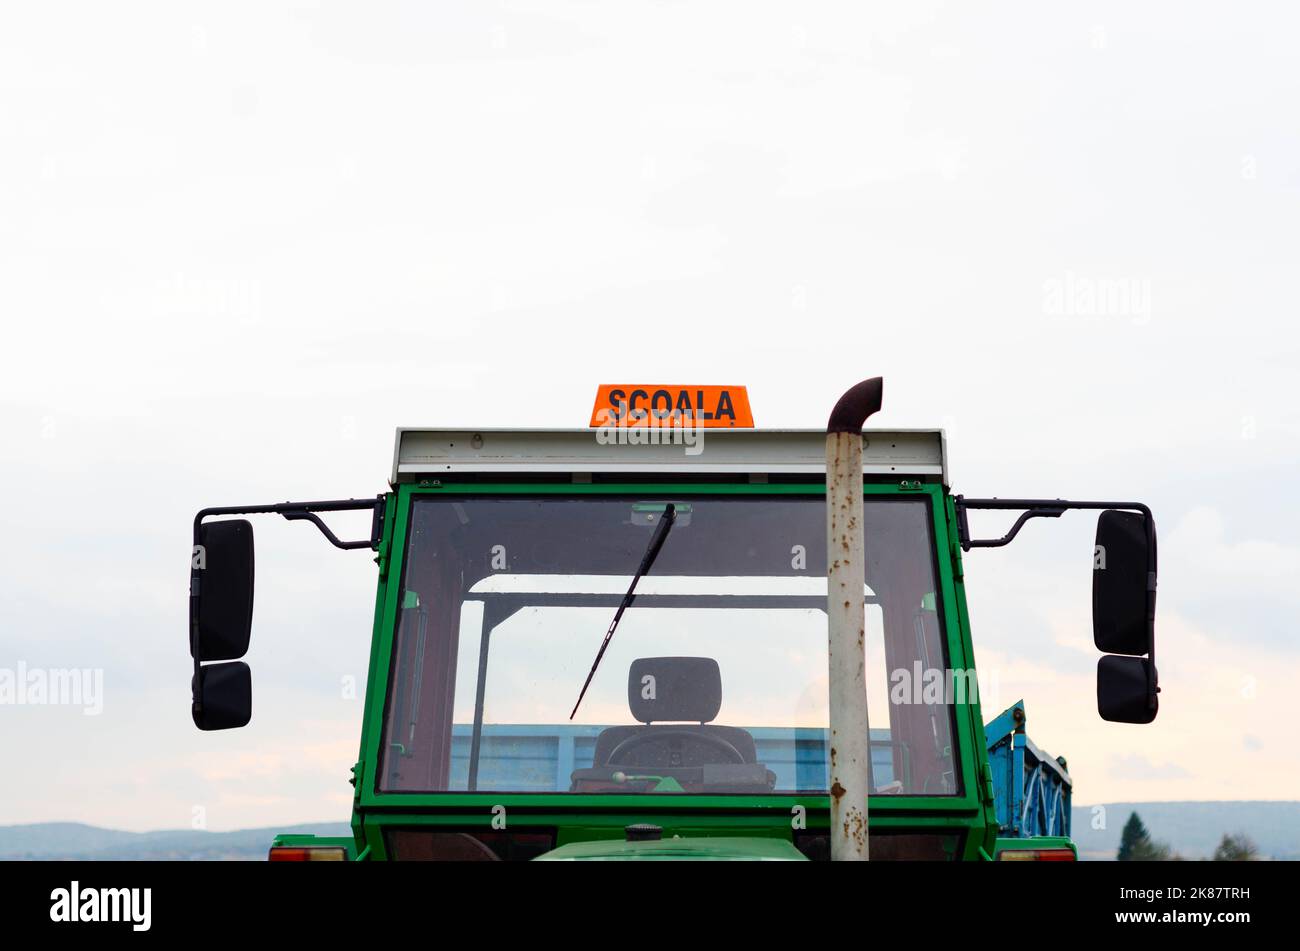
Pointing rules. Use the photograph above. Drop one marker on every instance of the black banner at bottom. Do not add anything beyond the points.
(911, 902)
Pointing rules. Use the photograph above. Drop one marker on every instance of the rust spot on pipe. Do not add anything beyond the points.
(837, 791)
(855, 827)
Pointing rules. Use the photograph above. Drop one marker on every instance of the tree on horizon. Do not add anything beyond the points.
(1236, 847)
(1136, 844)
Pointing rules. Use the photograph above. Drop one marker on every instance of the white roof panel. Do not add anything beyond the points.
(431, 453)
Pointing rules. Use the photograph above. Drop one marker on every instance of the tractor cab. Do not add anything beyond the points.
(513, 554)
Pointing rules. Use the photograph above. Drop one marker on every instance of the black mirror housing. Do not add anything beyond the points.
(1123, 616)
(1126, 689)
(1123, 584)
(223, 696)
(222, 581)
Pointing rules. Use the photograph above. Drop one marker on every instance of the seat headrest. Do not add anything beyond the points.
(665, 689)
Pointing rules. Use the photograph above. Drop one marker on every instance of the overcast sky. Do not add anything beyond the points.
(240, 243)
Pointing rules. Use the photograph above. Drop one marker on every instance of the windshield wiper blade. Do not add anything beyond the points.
(651, 553)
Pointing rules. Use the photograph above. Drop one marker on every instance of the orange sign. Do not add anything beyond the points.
(711, 407)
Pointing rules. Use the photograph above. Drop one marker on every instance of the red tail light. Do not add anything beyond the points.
(316, 853)
(1036, 855)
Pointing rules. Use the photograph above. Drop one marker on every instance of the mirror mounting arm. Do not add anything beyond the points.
(1030, 508)
(371, 542)
(298, 511)
(963, 527)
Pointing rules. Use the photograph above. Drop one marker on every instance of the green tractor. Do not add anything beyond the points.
(672, 635)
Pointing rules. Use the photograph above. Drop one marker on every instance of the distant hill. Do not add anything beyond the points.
(72, 840)
(1193, 829)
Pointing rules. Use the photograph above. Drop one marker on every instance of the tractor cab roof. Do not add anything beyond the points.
(427, 454)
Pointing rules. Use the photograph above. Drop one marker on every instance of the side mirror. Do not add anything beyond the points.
(1123, 616)
(1126, 689)
(221, 588)
(1122, 578)
(221, 621)
(223, 696)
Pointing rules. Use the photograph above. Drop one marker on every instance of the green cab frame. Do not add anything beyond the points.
(968, 817)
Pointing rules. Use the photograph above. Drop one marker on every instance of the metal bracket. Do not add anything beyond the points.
(306, 511)
(963, 526)
(1028, 508)
(371, 542)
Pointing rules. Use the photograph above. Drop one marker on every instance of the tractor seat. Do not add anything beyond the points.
(674, 699)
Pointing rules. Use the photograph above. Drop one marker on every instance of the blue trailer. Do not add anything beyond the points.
(1031, 788)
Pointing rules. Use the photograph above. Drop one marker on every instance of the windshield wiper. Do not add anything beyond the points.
(648, 559)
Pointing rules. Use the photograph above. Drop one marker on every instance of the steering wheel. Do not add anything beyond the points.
(640, 739)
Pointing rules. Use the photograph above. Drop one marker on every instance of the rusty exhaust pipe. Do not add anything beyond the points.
(850, 734)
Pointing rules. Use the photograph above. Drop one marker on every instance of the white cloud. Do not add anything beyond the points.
(1206, 559)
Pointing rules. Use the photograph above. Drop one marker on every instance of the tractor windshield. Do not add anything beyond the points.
(715, 680)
